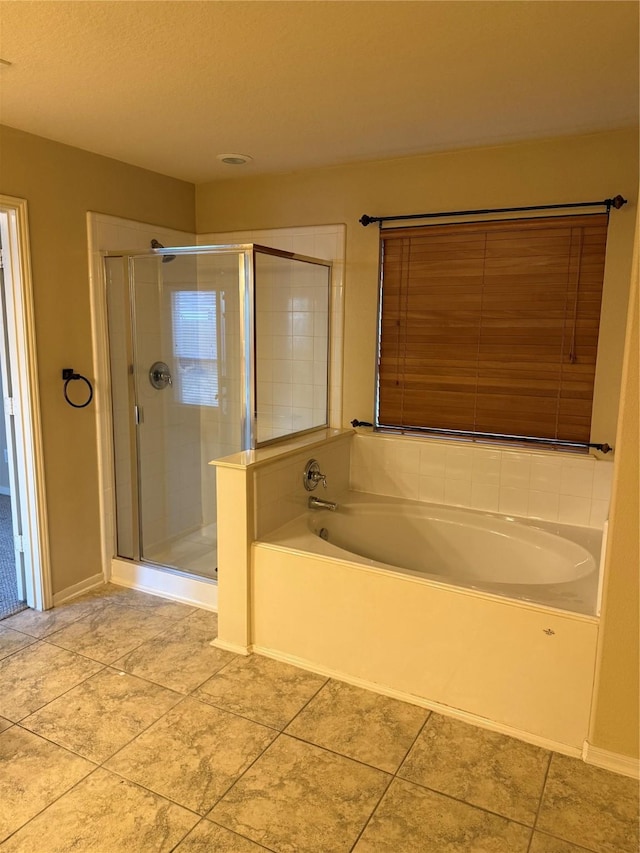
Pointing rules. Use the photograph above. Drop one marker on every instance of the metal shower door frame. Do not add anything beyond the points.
(136, 415)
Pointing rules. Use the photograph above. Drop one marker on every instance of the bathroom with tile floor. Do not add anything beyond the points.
(123, 729)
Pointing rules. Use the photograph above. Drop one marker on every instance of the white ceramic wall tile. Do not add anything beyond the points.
(599, 513)
(574, 510)
(576, 481)
(515, 470)
(432, 489)
(432, 460)
(543, 505)
(514, 501)
(545, 475)
(407, 456)
(485, 496)
(486, 466)
(458, 463)
(457, 492)
(602, 479)
(361, 480)
(408, 484)
(442, 465)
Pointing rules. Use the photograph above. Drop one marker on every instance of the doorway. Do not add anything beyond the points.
(13, 597)
(24, 555)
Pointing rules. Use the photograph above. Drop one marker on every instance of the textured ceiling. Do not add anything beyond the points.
(168, 85)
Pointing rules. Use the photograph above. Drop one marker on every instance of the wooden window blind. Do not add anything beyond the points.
(492, 327)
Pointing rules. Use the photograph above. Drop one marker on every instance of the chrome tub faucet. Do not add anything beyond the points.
(320, 503)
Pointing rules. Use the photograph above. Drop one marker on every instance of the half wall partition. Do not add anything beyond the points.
(213, 350)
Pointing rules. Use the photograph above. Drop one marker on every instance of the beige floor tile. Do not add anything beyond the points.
(42, 623)
(5, 724)
(110, 632)
(298, 797)
(34, 773)
(104, 814)
(589, 806)
(413, 820)
(12, 641)
(208, 837)
(102, 714)
(482, 768)
(34, 676)
(360, 724)
(193, 754)
(261, 689)
(542, 843)
(120, 595)
(206, 619)
(181, 658)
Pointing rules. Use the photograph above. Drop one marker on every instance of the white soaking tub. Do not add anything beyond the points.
(486, 618)
(549, 564)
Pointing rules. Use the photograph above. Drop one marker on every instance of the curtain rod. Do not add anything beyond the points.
(615, 202)
(495, 436)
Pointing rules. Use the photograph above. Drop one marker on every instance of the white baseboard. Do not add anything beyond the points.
(200, 592)
(77, 589)
(230, 647)
(445, 710)
(613, 761)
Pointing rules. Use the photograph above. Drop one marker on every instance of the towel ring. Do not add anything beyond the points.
(69, 376)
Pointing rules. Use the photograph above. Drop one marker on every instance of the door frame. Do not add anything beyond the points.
(29, 451)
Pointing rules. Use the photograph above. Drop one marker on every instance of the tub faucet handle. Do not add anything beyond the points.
(312, 476)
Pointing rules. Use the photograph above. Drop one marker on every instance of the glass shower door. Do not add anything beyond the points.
(187, 372)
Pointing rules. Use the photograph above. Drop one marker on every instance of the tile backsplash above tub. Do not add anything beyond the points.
(546, 485)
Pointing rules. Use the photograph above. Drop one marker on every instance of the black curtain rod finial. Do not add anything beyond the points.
(616, 202)
(365, 220)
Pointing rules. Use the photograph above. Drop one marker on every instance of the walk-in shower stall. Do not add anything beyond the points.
(213, 350)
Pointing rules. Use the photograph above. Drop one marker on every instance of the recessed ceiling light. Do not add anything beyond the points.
(234, 159)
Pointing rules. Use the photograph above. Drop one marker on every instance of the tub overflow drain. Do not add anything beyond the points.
(324, 533)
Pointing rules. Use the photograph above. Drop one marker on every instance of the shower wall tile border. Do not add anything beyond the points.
(531, 484)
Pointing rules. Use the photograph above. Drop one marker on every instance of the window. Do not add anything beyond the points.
(491, 328)
(195, 346)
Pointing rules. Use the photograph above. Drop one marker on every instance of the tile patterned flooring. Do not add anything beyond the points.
(123, 729)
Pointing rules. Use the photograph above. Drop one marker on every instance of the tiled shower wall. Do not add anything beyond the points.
(326, 242)
(551, 486)
(291, 321)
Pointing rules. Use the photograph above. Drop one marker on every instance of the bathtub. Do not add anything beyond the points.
(528, 560)
(486, 618)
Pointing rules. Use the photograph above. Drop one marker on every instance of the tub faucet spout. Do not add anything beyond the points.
(319, 503)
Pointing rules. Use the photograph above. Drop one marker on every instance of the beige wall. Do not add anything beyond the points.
(61, 184)
(615, 725)
(552, 171)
